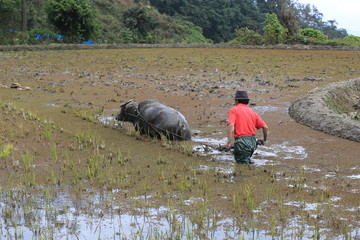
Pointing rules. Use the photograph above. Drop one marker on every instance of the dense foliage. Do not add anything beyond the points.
(274, 32)
(167, 21)
(75, 19)
(219, 19)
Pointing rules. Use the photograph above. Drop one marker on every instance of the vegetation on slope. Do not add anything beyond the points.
(174, 22)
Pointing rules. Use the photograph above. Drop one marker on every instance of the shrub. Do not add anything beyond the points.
(352, 40)
(313, 36)
(7, 37)
(274, 32)
(43, 35)
(246, 36)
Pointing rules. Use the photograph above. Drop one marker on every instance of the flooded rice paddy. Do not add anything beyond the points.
(69, 170)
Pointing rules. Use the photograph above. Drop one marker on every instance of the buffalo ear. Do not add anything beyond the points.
(126, 103)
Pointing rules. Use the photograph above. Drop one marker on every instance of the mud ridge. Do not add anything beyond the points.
(25, 47)
(333, 109)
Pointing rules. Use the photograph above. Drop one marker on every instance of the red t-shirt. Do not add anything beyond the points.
(245, 119)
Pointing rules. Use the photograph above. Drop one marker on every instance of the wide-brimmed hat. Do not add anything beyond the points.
(241, 95)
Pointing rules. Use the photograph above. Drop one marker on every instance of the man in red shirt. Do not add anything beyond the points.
(242, 125)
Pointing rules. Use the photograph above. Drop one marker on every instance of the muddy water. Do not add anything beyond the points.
(304, 184)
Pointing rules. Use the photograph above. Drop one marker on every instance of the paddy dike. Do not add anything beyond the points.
(333, 109)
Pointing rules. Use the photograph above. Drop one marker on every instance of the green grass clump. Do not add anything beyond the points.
(357, 117)
(337, 103)
(5, 150)
(89, 115)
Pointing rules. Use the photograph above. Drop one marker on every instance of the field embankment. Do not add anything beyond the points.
(25, 47)
(332, 109)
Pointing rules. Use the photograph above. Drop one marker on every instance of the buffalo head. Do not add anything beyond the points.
(128, 112)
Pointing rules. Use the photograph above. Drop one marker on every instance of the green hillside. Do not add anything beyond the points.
(167, 22)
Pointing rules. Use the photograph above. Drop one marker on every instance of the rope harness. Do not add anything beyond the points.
(152, 126)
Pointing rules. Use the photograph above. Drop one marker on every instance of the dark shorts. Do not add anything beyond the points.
(244, 148)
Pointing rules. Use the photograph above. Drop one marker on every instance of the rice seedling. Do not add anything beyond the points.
(85, 138)
(12, 135)
(130, 130)
(54, 152)
(81, 137)
(93, 167)
(204, 188)
(163, 140)
(53, 178)
(30, 179)
(145, 187)
(123, 176)
(89, 115)
(75, 172)
(120, 158)
(31, 116)
(48, 132)
(273, 227)
(282, 212)
(237, 204)
(5, 150)
(27, 159)
(187, 148)
(325, 193)
(161, 160)
(248, 194)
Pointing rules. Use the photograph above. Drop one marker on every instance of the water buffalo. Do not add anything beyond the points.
(153, 118)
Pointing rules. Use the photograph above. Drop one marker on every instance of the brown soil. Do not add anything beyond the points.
(199, 82)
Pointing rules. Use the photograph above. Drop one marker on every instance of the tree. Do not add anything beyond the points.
(140, 22)
(75, 19)
(9, 14)
(310, 17)
(24, 15)
(218, 18)
(274, 32)
(330, 29)
(288, 16)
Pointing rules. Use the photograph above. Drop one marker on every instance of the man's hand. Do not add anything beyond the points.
(228, 145)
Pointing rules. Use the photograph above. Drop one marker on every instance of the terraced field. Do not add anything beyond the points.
(70, 171)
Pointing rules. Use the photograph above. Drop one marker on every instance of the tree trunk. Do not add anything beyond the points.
(288, 17)
(24, 13)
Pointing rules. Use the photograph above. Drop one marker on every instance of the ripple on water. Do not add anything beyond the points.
(354, 176)
(264, 155)
(52, 105)
(108, 120)
(263, 109)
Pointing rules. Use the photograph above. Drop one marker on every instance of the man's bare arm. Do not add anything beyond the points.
(265, 132)
(230, 134)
